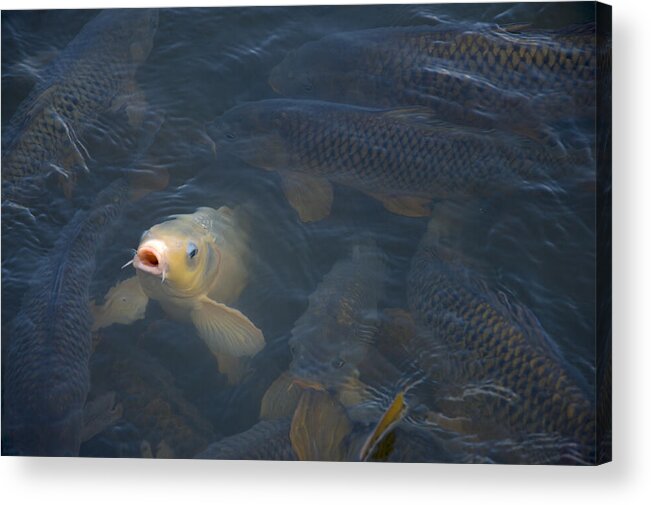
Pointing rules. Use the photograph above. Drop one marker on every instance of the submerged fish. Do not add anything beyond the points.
(166, 423)
(93, 75)
(45, 372)
(195, 266)
(402, 157)
(267, 440)
(318, 429)
(509, 377)
(336, 331)
(491, 76)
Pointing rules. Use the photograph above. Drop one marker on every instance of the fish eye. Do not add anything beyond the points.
(338, 363)
(192, 250)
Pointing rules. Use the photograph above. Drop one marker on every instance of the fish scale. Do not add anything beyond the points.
(87, 78)
(375, 152)
(495, 346)
(45, 375)
(478, 76)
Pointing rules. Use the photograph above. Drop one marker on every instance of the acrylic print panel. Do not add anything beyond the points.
(352, 233)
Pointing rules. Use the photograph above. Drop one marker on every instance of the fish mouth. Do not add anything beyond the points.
(149, 258)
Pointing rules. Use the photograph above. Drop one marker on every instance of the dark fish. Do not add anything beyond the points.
(92, 75)
(267, 440)
(402, 157)
(489, 76)
(168, 425)
(509, 378)
(45, 369)
(335, 333)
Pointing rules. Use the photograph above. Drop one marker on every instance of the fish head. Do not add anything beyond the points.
(178, 255)
(255, 132)
(317, 70)
(321, 362)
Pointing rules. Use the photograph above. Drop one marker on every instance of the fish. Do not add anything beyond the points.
(317, 430)
(267, 440)
(93, 75)
(45, 370)
(334, 334)
(510, 384)
(195, 266)
(165, 421)
(485, 75)
(402, 157)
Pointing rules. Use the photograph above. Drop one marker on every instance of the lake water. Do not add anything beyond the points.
(535, 242)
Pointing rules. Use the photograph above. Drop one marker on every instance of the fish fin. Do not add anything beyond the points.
(99, 414)
(353, 392)
(225, 329)
(67, 185)
(124, 303)
(164, 451)
(234, 368)
(405, 205)
(145, 449)
(145, 180)
(392, 416)
(133, 102)
(319, 428)
(281, 399)
(310, 196)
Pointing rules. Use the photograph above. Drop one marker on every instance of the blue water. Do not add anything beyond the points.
(537, 244)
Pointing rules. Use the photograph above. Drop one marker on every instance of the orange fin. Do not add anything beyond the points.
(405, 205)
(310, 196)
(319, 428)
(281, 399)
(389, 419)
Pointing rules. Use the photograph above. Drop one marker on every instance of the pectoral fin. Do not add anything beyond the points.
(226, 330)
(281, 398)
(133, 102)
(319, 428)
(310, 196)
(234, 368)
(124, 303)
(405, 205)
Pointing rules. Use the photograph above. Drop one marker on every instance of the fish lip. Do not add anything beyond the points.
(142, 262)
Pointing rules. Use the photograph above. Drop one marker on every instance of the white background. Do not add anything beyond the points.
(627, 480)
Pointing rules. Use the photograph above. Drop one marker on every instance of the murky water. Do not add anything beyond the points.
(535, 242)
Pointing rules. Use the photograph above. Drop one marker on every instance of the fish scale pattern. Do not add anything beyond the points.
(540, 396)
(379, 152)
(45, 375)
(87, 79)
